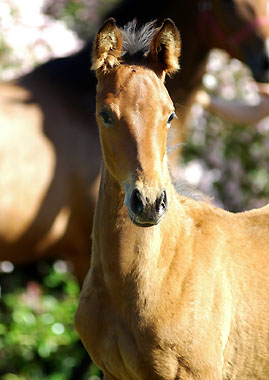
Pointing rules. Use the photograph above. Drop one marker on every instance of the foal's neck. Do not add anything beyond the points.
(124, 253)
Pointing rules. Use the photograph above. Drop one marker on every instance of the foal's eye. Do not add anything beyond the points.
(106, 118)
(171, 117)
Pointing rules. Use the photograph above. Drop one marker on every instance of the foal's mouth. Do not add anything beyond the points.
(149, 218)
(146, 223)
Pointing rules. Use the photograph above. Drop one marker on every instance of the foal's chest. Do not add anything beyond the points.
(132, 348)
(126, 354)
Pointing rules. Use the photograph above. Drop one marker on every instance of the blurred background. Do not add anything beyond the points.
(230, 163)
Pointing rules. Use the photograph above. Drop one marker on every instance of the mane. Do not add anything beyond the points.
(136, 41)
(187, 190)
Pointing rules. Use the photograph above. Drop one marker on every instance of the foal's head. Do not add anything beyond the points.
(134, 111)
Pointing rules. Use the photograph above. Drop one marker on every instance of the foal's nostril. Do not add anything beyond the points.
(137, 205)
(161, 202)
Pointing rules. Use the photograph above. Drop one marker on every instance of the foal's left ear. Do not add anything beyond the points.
(165, 48)
(107, 47)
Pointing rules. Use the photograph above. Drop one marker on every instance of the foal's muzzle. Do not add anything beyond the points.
(145, 212)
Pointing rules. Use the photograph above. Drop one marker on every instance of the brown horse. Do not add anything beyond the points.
(49, 147)
(177, 288)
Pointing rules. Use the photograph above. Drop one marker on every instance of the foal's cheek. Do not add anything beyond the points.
(111, 154)
(108, 149)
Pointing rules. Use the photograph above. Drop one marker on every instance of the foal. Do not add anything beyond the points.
(177, 289)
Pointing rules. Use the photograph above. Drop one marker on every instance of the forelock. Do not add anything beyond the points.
(137, 39)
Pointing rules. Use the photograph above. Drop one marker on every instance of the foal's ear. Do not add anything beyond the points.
(165, 48)
(107, 47)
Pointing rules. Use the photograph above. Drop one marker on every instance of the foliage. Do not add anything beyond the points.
(36, 30)
(29, 37)
(82, 16)
(37, 336)
(229, 162)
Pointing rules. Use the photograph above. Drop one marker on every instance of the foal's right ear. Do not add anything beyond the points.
(107, 47)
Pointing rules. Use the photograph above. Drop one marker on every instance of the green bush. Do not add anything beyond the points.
(37, 335)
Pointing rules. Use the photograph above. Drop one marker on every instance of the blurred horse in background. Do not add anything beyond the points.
(49, 146)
